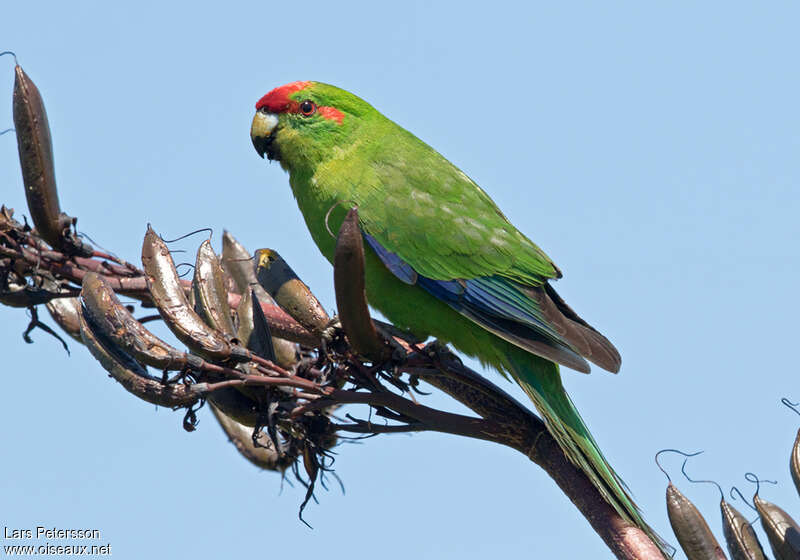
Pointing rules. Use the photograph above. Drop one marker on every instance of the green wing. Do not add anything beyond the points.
(437, 219)
(432, 225)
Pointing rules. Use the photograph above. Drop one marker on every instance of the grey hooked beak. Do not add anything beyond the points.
(264, 124)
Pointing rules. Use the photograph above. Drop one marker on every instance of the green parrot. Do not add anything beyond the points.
(442, 259)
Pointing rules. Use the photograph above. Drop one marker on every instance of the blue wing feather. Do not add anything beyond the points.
(394, 263)
(494, 302)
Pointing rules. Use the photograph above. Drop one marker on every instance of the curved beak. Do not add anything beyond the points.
(261, 131)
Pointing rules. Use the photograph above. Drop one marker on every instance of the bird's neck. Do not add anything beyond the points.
(323, 208)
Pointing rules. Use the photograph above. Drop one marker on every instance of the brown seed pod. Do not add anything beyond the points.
(66, 313)
(253, 330)
(210, 293)
(794, 462)
(244, 319)
(782, 531)
(120, 328)
(38, 172)
(739, 535)
(237, 261)
(277, 277)
(351, 299)
(211, 303)
(130, 374)
(236, 405)
(287, 354)
(25, 295)
(116, 323)
(694, 535)
(170, 299)
(239, 264)
(263, 456)
(281, 323)
(794, 458)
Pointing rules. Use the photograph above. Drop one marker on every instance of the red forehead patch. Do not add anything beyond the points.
(278, 100)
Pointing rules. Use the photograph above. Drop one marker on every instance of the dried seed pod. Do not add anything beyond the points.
(116, 323)
(130, 374)
(263, 456)
(253, 330)
(211, 303)
(170, 299)
(794, 462)
(244, 318)
(351, 299)
(239, 264)
(281, 323)
(739, 535)
(25, 295)
(38, 172)
(36, 159)
(236, 405)
(66, 313)
(278, 278)
(694, 535)
(782, 531)
(237, 261)
(210, 293)
(287, 354)
(794, 458)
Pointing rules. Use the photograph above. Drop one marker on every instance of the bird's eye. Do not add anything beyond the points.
(307, 108)
(264, 110)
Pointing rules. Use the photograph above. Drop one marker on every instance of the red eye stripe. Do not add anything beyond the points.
(326, 112)
(331, 113)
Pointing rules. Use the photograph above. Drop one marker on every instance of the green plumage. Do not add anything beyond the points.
(421, 208)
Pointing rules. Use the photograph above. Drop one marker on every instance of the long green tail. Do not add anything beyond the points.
(541, 381)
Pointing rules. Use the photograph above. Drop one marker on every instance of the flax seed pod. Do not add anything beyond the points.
(173, 306)
(782, 531)
(351, 299)
(130, 374)
(280, 281)
(237, 261)
(694, 535)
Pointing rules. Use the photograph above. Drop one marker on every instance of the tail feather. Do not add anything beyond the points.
(584, 338)
(541, 381)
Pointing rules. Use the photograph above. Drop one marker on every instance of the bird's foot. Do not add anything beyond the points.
(332, 331)
(399, 354)
(389, 330)
(439, 352)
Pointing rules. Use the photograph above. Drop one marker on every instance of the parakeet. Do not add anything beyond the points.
(441, 258)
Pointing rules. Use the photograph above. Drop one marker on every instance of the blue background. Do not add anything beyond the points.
(652, 151)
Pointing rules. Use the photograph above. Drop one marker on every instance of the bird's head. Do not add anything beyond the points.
(302, 123)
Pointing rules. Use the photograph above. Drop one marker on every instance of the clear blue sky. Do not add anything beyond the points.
(651, 151)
